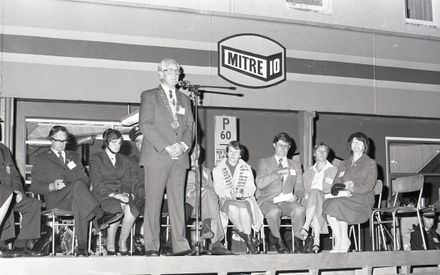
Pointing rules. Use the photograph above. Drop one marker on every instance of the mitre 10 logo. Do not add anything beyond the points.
(252, 61)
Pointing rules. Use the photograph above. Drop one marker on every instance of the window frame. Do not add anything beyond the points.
(435, 4)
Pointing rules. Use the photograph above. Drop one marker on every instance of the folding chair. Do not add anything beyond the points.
(398, 186)
(265, 225)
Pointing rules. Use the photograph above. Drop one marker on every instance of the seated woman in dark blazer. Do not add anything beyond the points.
(113, 187)
(358, 176)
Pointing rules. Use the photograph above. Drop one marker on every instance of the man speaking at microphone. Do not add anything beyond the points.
(166, 120)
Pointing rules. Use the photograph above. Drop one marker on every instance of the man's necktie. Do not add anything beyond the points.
(60, 156)
(280, 166)
(173, 100)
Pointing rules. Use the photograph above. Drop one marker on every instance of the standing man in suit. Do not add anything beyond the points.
(60, 176)
(280, 190)
(30, 208)
(166, 120)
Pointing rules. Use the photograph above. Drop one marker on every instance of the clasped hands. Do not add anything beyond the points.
(175, 150)
(283, 172)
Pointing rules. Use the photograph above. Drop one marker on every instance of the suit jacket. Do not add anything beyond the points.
(155, 119)
(47, 168)
(269, 183)
(431, 237)
(329, 177)
(106, 178)
(9, 174)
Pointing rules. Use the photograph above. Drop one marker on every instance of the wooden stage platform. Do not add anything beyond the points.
(270, 264)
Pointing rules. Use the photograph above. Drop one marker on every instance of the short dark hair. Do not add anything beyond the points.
(56, 129)
(237, 146)
(284, 137)
(110, 134)
(359, 136)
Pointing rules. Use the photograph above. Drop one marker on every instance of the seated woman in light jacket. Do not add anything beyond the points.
(318, 180)
(234, 184)
(113, 186)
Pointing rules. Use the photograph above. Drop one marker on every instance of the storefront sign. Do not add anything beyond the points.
(252, 61)
(225, 132)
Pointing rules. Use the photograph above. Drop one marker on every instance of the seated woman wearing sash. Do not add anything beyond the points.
(234, 184)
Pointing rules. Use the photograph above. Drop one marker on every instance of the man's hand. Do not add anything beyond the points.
(124, 197)
(175, 150)
(283, 172)
(18, 196)
(349, 185)
(57, 185)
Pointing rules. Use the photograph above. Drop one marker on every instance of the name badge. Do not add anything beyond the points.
(328, 180)
(292, 172)
(341, 174)
(71, 165)
(180, 110)
(8, 169)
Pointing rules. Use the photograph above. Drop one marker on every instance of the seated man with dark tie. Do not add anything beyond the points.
(60, 176)
(279, 191)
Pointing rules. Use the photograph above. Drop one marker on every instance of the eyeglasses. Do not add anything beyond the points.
(58, 140)
(172, 71)
(115, 141)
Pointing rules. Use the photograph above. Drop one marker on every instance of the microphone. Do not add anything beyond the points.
(184, 84)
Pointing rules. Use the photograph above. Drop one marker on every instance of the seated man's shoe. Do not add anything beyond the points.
(26, 252)
(281, 247)
(218, 249)
(81, 251)
(151, 253)
(9, 254)
(188, 252)
(206, 232)
(107, 219)
(299, 246)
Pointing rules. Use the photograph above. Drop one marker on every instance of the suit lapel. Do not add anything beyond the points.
(53, 158)
(166, 104)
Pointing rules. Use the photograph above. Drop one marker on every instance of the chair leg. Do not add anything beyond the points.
(421, 231)
(359, 237)
(54, 227)
(73, 238)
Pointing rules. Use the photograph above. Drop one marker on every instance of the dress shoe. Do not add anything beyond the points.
(188, 252)
(218, 249)
(206, 232)
(81, 251)
(9, 254)
(124, 253)
(26, 252)
(281, 247)
(111, 253)
(150, 253)
(107, 219)
(299, 246)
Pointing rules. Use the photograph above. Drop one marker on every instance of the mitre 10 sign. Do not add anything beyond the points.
(252, 60)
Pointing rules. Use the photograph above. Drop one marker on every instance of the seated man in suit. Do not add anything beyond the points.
(432, 238)
(60, 176)
(212, 227)
(280, 190)
(30, 208)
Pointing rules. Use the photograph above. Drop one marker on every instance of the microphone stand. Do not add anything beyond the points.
(195, 90)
